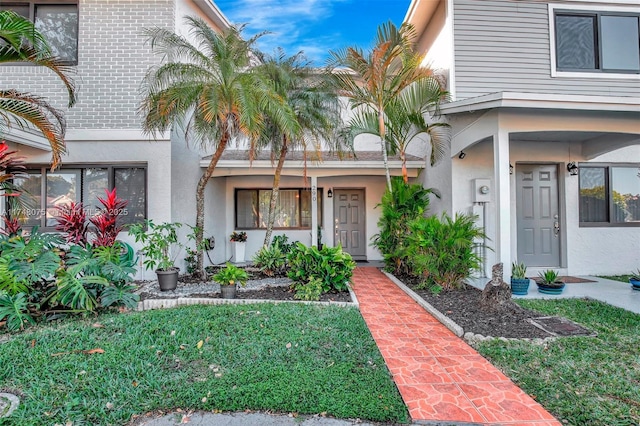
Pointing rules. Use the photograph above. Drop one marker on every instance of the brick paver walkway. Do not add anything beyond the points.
(439, 376)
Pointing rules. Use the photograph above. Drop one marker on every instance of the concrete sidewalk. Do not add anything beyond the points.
(246, 419)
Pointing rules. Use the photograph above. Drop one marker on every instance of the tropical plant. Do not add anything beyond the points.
(71, 221)
(549, 277)
(315, 115)
(209, 88)
(400, 207)
(231, 275)
(157, 240)
(14, 309)
(373, 79)
(106, 223)
(404, 121)
(311, 290)
(120, 294)
(270, 260)
(443, 251)
(518, 270)
(11, 226)
(20, 41)
(282, 242)
(331, 265)
(238, 237)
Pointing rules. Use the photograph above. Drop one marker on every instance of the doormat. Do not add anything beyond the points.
(560, 327)
(569, 279)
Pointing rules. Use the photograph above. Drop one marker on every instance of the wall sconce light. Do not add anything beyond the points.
(330, 193)
(510, 168)
(572, 168)
(462, 155)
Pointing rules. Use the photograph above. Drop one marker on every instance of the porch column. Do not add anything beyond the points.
(314, 211)
(503, 199)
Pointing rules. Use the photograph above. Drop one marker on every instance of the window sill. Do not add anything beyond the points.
(596, 75)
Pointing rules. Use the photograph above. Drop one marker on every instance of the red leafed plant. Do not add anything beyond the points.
(11, 226)
(72, 221)
(107, 229)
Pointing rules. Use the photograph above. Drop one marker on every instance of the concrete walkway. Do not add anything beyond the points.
(439, 376)
(615, 293)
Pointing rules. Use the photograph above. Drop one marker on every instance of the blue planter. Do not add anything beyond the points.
(555, 288)
(635, 284)
(519, 286)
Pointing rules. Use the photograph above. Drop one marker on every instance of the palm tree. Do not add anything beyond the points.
(373, 79)
(405, 121)
(316, 111)
(207, 87)
(20, 41)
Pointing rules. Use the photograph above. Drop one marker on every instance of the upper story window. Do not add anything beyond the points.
(597, 42)
(609, 195)
(58, 22)
(44, 190)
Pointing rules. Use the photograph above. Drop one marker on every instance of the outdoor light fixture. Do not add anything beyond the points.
(510, 168)
(572, 168)
(462, 155)
(330, 193)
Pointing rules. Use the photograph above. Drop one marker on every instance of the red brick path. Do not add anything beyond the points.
(439, 376)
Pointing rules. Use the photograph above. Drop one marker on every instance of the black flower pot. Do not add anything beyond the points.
(228, 291)
(168, 280)
(519, 286)
(555, 288)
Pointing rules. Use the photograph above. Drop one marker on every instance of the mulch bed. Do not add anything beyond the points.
(463, 307)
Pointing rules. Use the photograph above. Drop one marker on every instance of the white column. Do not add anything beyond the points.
(314, 210)
(503, 200)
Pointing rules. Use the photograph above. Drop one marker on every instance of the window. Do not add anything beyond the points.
(609, 195)
(44, 190)
(292, 211)
(57, 22)
(597, 42)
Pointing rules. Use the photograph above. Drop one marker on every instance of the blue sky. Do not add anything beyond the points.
(313, 26)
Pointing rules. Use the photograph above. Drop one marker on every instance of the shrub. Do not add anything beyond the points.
(106, 222)
(270, 260)
(15, 310)
(444, 250)
(310, 290)
(230, 275)
(405, 204)
(72, 222)
(331, 265)
(282, 242)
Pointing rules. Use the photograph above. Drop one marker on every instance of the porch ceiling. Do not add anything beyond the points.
(593, 143)
(324, 163)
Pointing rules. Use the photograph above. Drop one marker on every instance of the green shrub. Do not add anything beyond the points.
(230, 275)
(405, 204)
(15, 310)
(282, 242)
(444, 250)
(310, 290)
(270, 260)
(331, 265)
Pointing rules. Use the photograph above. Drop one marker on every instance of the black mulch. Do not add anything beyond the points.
(463, 307)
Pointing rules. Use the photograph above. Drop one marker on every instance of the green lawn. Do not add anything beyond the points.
(623, 278)
(284, 357)
(582, 381)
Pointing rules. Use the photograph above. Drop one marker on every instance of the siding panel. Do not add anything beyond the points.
(503, 45)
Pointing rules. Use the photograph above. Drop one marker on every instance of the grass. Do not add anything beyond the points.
(280, 357)
(582, 381)
(623, 278)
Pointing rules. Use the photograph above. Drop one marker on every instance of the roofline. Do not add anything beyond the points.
(347, 164)
(27, 137)
(214, 13)
(543, 101)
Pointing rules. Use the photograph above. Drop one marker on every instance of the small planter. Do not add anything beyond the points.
(519, 286)
(168, 280)
(238, 251)
(555, 288)
(635, 284)
(228, 291)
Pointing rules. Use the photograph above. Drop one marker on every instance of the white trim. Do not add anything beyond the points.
(113, 135)
(214, 13)
(452, 66)
(588, 8)
(27, 138)
(543, 101)
(351, 164)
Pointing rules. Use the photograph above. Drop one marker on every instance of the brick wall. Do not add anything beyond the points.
(112, 60)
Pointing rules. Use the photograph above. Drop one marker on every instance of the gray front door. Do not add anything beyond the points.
(538, 218)
(349, 221)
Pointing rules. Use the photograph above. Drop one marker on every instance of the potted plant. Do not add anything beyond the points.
(229, 277)
(238, 239)
(157, 240)
(634, 280)
(519, 280)
(549, 282)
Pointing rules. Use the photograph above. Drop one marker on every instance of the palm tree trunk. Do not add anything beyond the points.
(403, 158)
(274, 192)
(202, 184)
(383, 144)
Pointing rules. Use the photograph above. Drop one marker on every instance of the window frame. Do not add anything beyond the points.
(43, 169)
(597, 12)
(297, 228)
(32, 4)
(609, 198)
